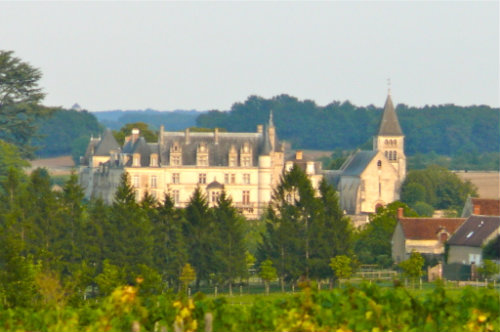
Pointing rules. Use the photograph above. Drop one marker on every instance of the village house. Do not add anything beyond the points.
(426, 236)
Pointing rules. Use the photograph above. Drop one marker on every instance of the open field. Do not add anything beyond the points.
(488, 183)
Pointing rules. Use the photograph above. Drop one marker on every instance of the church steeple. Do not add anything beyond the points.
(389, 124)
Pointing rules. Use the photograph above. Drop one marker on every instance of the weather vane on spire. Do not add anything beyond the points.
(389, 86)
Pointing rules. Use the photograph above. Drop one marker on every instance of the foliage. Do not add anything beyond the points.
(492, 249)
(148, 134)
(188, 275)
(373, 241)
(267, 272)
(412, 267)
(341, 266)
(303, 230)
(488, 269)
(437, 187)
(20, 98)
(366, 307)
(423, 209)
(10, 158)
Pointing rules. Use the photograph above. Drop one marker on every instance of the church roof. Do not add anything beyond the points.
(389, 124)
(106, 144)
(357, 163)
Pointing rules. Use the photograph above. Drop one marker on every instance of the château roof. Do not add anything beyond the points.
(389, 124)
(106, 144)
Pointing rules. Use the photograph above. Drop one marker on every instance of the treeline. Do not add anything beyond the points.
(58, 235)
(445, 129)
(65, 132)
(171, 120)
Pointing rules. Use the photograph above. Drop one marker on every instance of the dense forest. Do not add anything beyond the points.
(65, 132)
(444, 129)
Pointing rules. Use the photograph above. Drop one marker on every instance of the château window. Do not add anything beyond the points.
(176, 160)
(246, 161)
(232, 161)
(175, 196)
(153, 181)
(215, 196)
(379, 163)
(233, 178)
(246, 197)
(202, 178)
(175, 178)
(154, 160)
(136, 181)
(226, 178)
(246, 178)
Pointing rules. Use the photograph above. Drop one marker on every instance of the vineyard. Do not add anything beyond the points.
(365, 307)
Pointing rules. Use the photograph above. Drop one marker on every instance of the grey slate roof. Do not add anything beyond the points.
(332, 177)
(475, 230)
(389, 124)
(218, 154)
(106, 144)
(356, 164)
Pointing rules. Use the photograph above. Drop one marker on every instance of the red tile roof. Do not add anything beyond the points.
(428, 228)
(487, 206)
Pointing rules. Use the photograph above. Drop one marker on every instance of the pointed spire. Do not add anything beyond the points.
(271, 123)
(389, 124)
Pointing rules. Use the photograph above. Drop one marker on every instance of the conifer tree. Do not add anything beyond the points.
(132, 242)
(231, 247)
(170, 252)
(199, 233)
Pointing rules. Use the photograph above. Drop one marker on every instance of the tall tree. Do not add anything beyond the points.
(231, 247)
(199, 233)
(20, 98)
(170, 253)
(132, 243)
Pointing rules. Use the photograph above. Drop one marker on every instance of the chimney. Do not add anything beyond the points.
(135, 134)
(186, 134)
(160, 137)
(216, 136)
(298, 155)
(400, 213)
(477, 209)
(260, 129)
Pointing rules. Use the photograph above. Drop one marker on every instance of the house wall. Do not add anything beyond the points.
(462, 254)
(398, 245)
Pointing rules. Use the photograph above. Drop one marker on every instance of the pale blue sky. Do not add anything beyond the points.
(208, 55)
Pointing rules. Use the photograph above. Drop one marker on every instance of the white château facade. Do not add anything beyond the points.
(247, 166)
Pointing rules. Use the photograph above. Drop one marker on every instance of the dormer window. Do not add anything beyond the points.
(246, 155)
(233, 157)
(202, 155)
(153, 160)
(136, 161)
(175, 154)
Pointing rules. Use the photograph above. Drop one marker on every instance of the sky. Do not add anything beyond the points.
(209, 55)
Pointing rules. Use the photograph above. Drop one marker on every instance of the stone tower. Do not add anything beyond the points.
(390, 139)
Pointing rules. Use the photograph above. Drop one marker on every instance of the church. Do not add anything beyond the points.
(248, 166)
(370, 179)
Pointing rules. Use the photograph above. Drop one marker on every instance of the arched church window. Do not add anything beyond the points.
(379, 163)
